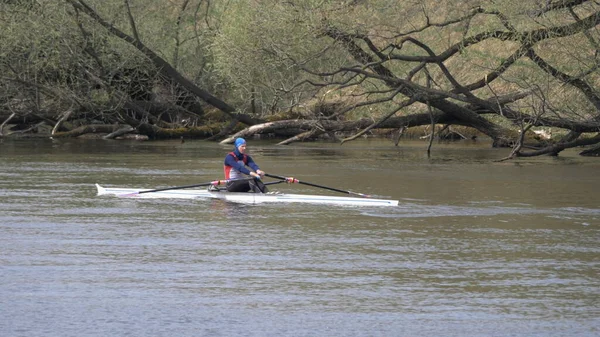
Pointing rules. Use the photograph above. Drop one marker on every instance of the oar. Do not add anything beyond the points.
(213, 183)
(294, 180)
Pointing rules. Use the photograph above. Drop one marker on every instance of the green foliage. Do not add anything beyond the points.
(268, 54)
(262, 46)
(56, 46)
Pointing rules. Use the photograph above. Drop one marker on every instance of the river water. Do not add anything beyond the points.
(475, 247)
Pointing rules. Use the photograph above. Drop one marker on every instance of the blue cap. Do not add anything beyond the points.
(239, 141)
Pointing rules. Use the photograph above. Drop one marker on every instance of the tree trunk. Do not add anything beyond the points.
(165, 68)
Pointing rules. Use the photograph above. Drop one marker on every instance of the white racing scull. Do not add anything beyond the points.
(248, 198)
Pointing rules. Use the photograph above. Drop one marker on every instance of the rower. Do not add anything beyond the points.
(238, 166)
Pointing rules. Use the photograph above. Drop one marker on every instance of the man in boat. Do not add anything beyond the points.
(238, 166)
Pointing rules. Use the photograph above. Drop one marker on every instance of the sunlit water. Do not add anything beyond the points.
(475, 247)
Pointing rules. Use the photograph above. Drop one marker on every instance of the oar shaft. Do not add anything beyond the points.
(294, 180)
(324, 187)
(174, 188)
(214, 183)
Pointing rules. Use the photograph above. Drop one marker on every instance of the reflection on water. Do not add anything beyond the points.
(475, 248)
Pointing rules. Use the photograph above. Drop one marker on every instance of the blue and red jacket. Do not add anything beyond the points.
(235, 165)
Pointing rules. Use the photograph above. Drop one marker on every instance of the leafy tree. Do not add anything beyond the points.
(484, 64)
(503, 67)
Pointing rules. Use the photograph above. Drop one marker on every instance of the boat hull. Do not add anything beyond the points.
(246, 198)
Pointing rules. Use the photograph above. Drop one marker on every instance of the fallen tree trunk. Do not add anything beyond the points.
(340, 126)
(124, 130)
(593, 152)
(556, 148)
(92, 128)
(164, 67)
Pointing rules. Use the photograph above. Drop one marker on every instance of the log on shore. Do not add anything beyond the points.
(92, 128)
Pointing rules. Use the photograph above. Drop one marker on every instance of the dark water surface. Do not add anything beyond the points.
(475, 248)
